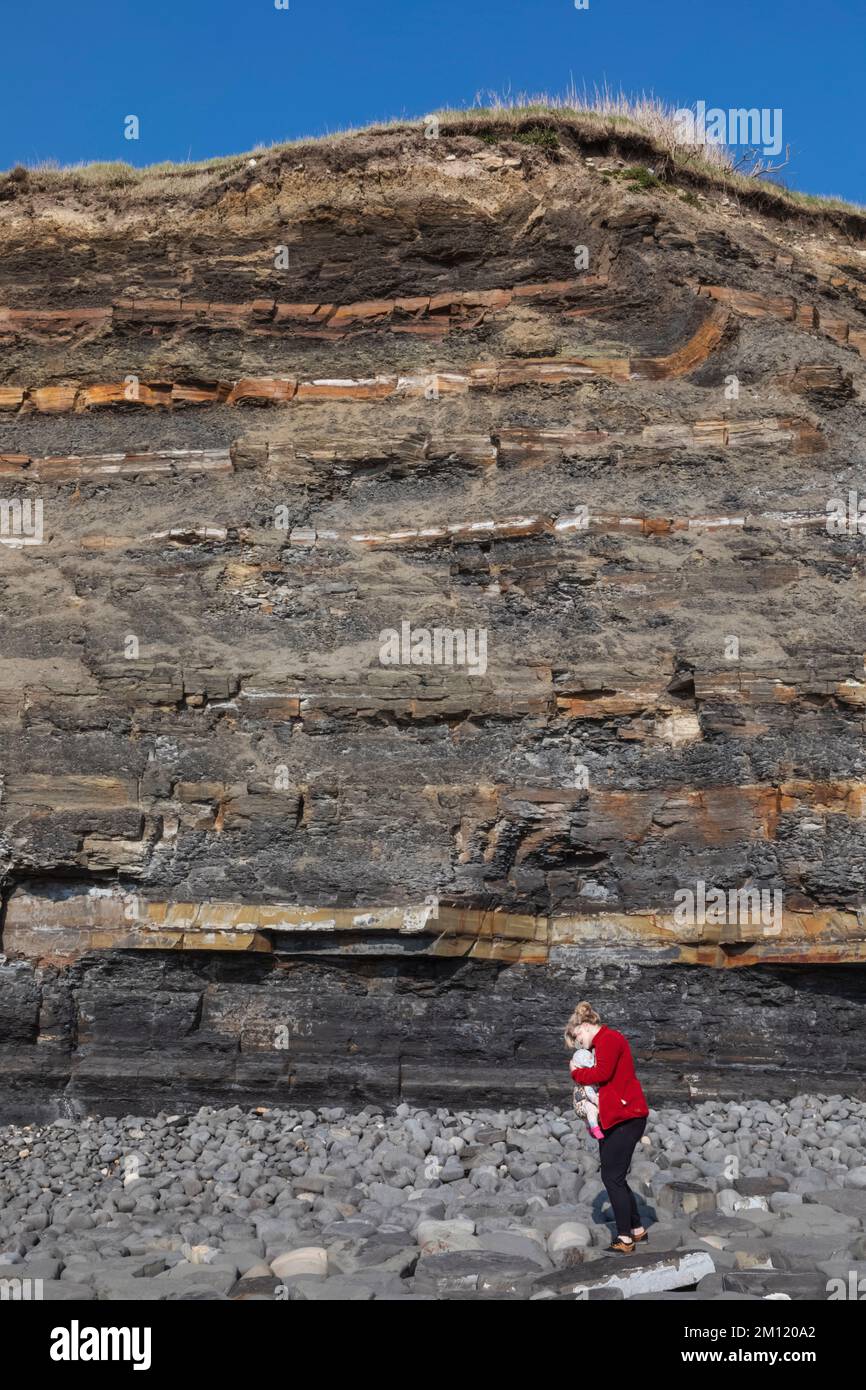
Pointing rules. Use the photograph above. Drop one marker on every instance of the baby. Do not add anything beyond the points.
(586, 1097)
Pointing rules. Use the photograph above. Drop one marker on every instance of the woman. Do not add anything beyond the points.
(622, 1115)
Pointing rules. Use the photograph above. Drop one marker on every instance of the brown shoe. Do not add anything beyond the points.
(622, 1246)
(637, 1239)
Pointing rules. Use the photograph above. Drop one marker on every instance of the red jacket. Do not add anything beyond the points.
(619, 1092)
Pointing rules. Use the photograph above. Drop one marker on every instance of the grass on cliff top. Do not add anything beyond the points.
(590, 118)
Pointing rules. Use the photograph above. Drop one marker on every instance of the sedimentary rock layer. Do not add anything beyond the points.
(391, 641)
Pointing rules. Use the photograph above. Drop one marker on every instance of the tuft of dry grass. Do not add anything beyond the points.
(645, 114)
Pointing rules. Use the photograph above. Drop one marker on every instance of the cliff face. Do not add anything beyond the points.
(252, 421)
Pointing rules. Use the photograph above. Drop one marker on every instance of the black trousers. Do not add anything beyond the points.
(615, 1151)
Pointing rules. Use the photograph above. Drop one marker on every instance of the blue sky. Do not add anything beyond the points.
(218, 77)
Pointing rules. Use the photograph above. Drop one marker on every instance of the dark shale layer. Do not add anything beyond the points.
(496, 387)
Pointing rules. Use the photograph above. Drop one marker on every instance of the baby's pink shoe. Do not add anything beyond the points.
(596, 1131)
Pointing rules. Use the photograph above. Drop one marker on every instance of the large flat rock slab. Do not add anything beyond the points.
(638, 1273)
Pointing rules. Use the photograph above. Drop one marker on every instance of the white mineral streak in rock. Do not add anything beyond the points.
(670, 1272)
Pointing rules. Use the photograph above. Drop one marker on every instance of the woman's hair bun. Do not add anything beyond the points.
(584, 1013)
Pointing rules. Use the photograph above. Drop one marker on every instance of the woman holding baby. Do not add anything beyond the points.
(615, 1109)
